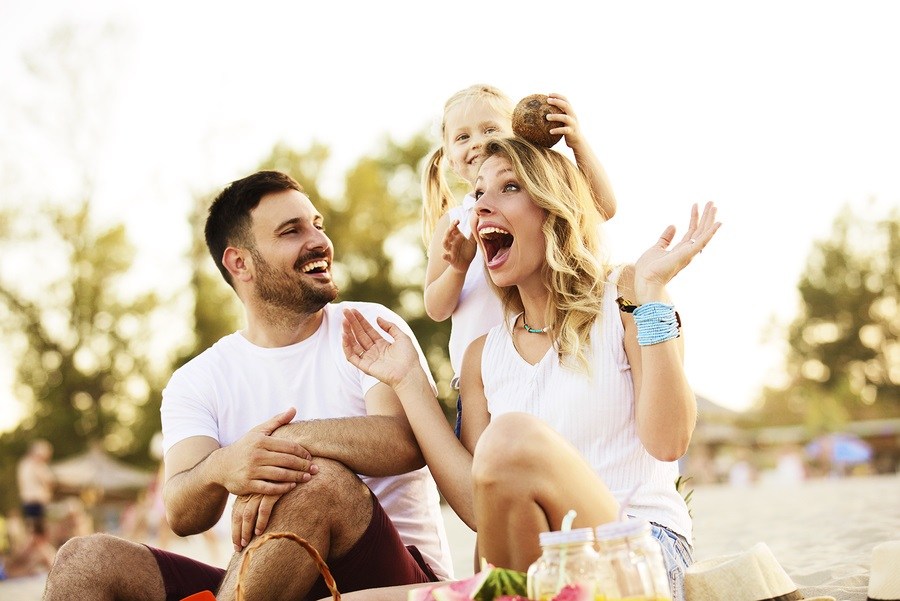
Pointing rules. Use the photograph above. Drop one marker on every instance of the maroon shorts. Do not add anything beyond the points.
(378, 558)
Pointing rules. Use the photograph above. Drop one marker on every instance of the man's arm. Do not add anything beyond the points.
(378, 444)
(200, 473)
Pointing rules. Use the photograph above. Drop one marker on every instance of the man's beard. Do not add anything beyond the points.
(289, 291)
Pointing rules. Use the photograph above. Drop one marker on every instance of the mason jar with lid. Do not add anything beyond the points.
(636, 560)
(568, 559)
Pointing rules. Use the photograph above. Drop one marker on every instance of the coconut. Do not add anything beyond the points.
(529, 120)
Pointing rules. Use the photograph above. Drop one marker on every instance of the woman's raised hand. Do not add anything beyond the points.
(659, 264)
(368, 350)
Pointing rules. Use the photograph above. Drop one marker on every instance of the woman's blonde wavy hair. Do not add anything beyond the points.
(575, 269)
(437, 197)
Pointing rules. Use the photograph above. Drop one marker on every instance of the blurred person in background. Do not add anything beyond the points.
(36, 483)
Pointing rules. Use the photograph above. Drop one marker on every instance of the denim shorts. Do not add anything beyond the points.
(677, 555)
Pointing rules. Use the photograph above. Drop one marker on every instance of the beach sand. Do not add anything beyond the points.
(821, 531)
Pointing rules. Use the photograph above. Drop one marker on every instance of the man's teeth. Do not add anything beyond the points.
(314, 265)
(491, 230)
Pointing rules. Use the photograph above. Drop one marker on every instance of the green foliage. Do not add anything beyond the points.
(843, 347)
(82, 366)
(215, 310)
(681, 486)
(80, 341)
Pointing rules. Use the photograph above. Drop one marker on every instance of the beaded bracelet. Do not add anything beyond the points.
(656, 322)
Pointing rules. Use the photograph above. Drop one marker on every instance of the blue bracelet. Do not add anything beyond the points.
(656, 322)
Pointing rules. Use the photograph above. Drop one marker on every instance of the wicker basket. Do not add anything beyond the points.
(320, 563)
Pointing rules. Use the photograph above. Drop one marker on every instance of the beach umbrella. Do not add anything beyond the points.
(95, 470)
(840, 447)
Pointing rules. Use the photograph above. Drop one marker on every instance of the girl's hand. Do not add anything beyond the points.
(458, 250)
(568, 122)
(366, 349)
(659, 264)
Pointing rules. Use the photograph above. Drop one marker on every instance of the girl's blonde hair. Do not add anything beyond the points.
(437, 197)
(574, 269)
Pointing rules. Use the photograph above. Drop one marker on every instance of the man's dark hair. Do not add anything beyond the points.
(228, 222)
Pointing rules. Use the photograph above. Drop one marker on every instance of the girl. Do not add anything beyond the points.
(570, 402)
(455, 285)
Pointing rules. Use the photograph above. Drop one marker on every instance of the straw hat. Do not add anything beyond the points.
(754, 575)
(884, 579)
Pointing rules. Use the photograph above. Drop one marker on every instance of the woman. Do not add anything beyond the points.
(572, 403)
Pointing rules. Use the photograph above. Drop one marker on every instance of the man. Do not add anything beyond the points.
(268, 241)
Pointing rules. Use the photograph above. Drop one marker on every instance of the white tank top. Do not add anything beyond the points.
(478, 308)
(595, 413)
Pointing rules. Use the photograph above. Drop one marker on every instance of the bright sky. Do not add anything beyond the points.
(780, 112)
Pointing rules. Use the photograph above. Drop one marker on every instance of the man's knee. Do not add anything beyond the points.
(81, 550)
(102, 566)
(88, 558)
(333, 491)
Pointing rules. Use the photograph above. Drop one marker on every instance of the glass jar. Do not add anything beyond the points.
(568, 561)
(636, 560)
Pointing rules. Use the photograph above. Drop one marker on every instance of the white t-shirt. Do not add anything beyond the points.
(595, 413)
(235, 385)
(478, 308)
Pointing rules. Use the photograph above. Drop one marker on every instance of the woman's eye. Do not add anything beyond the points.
(478, 194)
(462, 137)
(492, 130)
(511, 187)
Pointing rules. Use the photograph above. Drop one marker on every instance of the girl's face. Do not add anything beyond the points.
(508, 223)
(466, 127)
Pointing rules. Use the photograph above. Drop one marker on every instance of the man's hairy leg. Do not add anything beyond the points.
(331, 511)
(105, 568)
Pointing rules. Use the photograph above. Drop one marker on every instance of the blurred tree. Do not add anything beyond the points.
(215, 310)
(80, 344)
(79, 335)
(843, 361)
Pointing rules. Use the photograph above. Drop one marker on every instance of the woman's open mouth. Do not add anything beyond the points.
(496, 242)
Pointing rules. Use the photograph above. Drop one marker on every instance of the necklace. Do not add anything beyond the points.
(531, 330)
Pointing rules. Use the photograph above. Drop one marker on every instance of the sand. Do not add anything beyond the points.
(822, 532)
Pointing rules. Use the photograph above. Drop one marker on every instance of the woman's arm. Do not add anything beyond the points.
(396, 364)
(665, 405)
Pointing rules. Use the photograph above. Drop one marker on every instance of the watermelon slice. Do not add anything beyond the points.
(574, 592)
(487, 585)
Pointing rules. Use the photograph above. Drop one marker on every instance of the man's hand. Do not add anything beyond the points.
(250, 517)
(259, 463)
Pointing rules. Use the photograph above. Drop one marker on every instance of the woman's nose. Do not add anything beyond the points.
(483, 205)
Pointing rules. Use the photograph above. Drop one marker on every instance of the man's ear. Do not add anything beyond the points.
(237, 263)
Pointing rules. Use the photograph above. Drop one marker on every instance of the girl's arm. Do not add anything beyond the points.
(449, 256)
(587, 161)
(665, 405)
